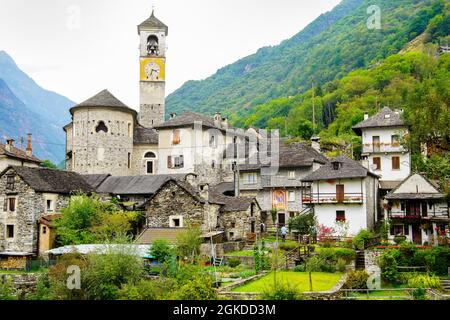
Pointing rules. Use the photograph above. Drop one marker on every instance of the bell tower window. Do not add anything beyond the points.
(101, 127)
(152, 45)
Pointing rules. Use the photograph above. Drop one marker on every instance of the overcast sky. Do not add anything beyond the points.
(79, 47)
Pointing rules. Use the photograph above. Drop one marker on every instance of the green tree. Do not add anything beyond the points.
(188, 244)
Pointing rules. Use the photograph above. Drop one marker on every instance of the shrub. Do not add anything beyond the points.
(357, 279)
(419, 294)
(362, 238)
(319, 263)
(407, 252)
(287, 246)
(161, 250)
(6, 289)
(388, 265)
(399, 239)
(345, 254)
(199, 288)
(441, 260)
(188, 244)
(143, 290)
(233, 262)
(341, 265)
(282, 291)
(299, 268)
(424, 281)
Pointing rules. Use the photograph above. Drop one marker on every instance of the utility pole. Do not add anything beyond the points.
(313, 106)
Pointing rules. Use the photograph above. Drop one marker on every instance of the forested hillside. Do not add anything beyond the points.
(334, 44)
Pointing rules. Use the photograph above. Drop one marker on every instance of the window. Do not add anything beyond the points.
(231, 235)
(175, 221)
(336, 165)
(291, 196)
(11, 204)
(176, 139)
(149, 167)
(44, 229)
(340, 215)
(395, 163)
(291, 174)
(9, 231)
(376, 163)
(10, 179)
(233, 225)
(213, 141)
(402, 206)
(395, 140)
(213, 164)
(175, 162)
(250, 178)
(49, 205)
(101, 127)
(406, 230)
(397, 229)
(130, 133)
(150, 155)
(129, 160)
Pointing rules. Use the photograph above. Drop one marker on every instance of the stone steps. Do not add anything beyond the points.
(445, 284)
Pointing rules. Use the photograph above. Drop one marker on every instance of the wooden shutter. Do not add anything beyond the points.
(340, 193)
(12, 204)
(395, 162)
(169, 162)
(377, 163)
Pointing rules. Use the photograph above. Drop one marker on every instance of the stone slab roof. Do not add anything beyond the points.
(95, 180)
(153, 23)
(229, 203)
(395, 195)
(17, 154)
(104, 99)
(348, 169)
(291, 155)
(51, 180)
(385, 118)
(388, 185)
(187, 119)
(145, 135)
(137, 185)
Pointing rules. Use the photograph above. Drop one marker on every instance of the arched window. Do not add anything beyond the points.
(101, 127)
(152, 45)
(150, 160)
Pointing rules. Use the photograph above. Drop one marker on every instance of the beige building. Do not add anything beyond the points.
(13, 156)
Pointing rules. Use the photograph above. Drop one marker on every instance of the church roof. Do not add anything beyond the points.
(187, 119)
(145, 135)
(153, 23)
(385, 118)
(103, 99)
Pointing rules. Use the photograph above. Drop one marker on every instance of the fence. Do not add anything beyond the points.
(35, 265)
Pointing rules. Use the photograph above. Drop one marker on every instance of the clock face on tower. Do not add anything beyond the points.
(152, 69)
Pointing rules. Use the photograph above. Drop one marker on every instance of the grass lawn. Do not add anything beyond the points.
(300, 280)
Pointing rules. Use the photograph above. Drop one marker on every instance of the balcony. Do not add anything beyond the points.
(412, 215)
(383, 147)
(333, 198)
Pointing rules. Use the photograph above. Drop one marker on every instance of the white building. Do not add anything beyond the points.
(418, 210)
(13, 156)
(342, 190)
(382, 148)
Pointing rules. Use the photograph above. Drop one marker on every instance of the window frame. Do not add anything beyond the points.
(397, 163)
(378, 168)
(291, 192)
(8, 229)
(247, 179)
(340, 216)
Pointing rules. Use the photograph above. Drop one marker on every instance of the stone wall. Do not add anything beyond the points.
(172, 200)
(100, 152)
(239, 223)
(22, 283)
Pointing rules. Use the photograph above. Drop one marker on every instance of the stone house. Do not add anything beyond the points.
(280, 188)
(417, 209)
(342, 190)
(179, 204)
(27, 195)
(13, 156)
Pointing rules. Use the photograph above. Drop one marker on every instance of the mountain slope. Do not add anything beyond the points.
(25, 107)
(334, 44)
(16, 120)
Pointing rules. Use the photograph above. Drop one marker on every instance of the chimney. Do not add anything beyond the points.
(204, 191)
(173, 115)
(9, 144)
(29, 150)
(217, 119)
(315, 143)
(366, 115)
(225, 122)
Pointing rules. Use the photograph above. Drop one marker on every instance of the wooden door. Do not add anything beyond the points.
(281, 219)
(340, 193)
(417, 234)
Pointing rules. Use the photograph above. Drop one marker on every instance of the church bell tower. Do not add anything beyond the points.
(152, 49)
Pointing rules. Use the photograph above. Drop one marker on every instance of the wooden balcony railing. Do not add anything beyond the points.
(333, 198)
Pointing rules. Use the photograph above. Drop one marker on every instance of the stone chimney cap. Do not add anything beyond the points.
(173, 115)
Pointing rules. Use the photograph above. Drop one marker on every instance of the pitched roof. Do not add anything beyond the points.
(290, 155)
(137, 185)
(17, 153)
(145, 135)
(385, 118)
(149, 235)
(104, 99)
(153, 23)
(51, 180)
(229, 203)
(419, 194)
(95, 180)
(187, 119)
(348, 169)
